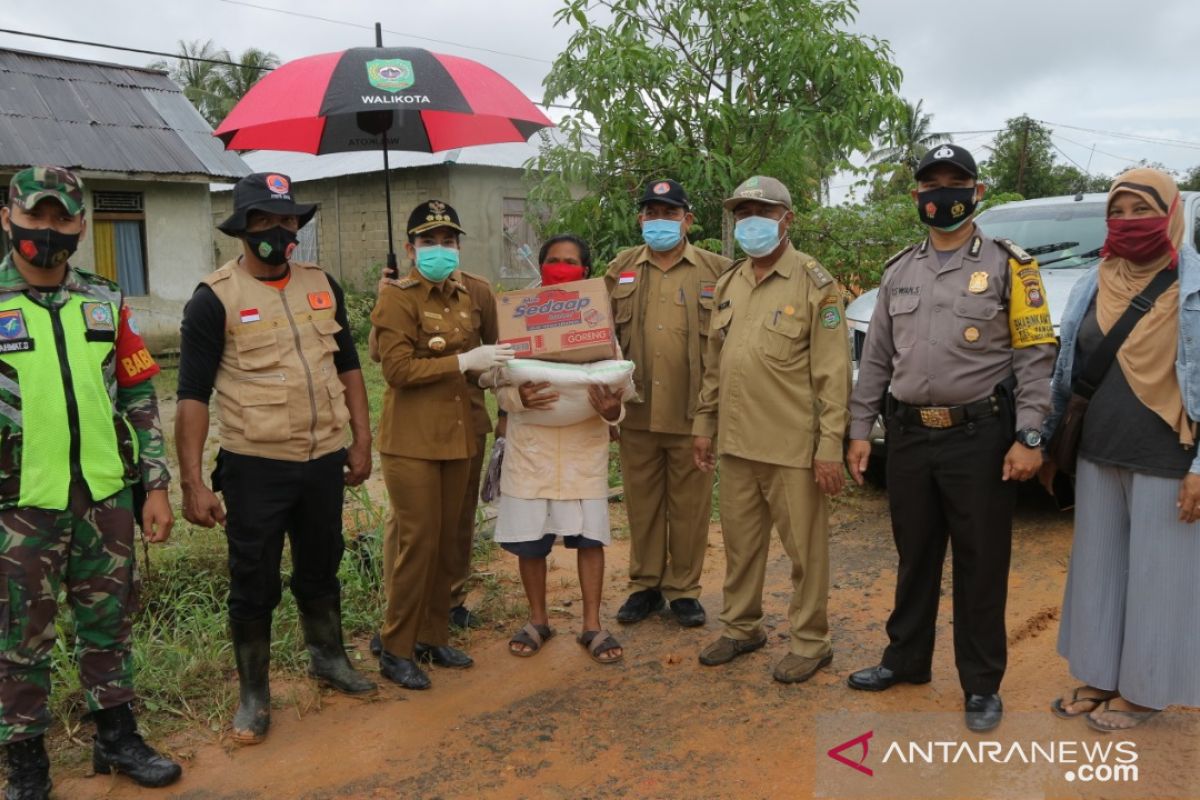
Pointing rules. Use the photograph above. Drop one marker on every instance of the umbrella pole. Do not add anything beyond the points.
(387, 202)
(392, 271)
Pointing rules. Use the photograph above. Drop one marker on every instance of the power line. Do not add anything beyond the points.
(408, 34)
(133, 49)
(1191, 145)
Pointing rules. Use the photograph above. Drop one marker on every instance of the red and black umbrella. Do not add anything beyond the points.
(380, 98)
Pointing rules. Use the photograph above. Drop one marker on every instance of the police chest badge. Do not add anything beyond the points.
(971, 335)
(979, 283)
(14, 336)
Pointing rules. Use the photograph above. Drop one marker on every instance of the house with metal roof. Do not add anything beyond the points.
(348, 236)
(147, 159)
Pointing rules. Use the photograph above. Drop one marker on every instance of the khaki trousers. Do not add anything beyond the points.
(753, 496)
(419, 557)
(466, 527)
(669, 503)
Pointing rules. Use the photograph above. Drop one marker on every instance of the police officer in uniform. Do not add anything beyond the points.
(662, 299)
(79, 429)
(428, 328)
(270, 335)
(958, 358)
(776, 387)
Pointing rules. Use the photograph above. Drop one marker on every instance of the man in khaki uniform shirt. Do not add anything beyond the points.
(778, 371)
(427, 324)
(662, 298)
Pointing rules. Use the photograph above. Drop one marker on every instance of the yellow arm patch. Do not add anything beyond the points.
(1028, 315)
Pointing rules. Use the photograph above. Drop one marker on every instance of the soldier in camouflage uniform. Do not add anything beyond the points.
(69, 462)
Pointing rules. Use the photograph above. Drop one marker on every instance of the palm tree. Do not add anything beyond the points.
(242, 73)
(907, 138)
(212, 87)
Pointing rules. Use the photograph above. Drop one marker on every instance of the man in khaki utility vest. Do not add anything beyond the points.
(778, 373)
(271, 336)
(662, 297)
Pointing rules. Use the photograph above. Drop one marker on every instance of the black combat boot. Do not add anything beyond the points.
(28, 769)
(252, 651)
(118, 747)
(327, 662)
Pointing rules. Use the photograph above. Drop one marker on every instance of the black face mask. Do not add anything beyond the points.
(43, 247)
(946, 207)
(273, 246)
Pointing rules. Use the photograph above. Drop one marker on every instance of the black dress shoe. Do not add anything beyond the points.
(443, 655)
(688, 612)
(403, 671)
(463, 617)
(640, 605)
(879, 678)
(983, 711)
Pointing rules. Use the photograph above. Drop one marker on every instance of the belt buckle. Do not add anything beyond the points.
(936, 417)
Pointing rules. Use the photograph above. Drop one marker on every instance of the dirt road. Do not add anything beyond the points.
(657, 725)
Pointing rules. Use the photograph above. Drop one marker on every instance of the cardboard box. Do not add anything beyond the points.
(567, 322)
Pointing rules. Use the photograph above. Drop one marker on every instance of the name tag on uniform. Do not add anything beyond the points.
(249, 315)
(14, 336)
(627, 277)
(432, 314)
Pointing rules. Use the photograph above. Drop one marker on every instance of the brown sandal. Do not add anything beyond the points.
(1060, 708)
(533, 637)
(597, 643)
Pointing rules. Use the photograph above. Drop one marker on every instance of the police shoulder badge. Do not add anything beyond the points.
(979, 283)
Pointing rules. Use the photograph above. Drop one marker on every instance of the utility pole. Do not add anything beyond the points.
(1023, 157)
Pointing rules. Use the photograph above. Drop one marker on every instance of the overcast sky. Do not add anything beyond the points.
(1128, 68)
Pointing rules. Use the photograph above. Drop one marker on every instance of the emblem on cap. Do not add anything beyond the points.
(979, 283)
(437, 344)
(971, 334)
(662, 188)
(437, 212)
(944, 152)
(278, 184)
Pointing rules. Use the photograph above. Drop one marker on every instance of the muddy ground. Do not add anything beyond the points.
(657, 725)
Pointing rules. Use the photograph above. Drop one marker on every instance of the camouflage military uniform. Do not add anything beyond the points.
(87, 546)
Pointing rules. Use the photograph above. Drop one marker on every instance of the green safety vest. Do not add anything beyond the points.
(58, 421)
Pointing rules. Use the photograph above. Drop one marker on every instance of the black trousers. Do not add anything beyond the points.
(945, 485)
(266, 499)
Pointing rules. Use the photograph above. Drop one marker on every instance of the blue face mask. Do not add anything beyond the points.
(662, 234)
(435, 263)
(758, 236)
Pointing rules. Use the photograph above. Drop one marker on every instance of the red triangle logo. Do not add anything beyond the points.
(836, 752)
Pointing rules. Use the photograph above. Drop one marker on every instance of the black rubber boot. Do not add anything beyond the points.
(327, 662)
(252, 651)
(119, 747)
(28, 769)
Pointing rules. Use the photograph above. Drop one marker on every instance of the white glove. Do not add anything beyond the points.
(485, 357)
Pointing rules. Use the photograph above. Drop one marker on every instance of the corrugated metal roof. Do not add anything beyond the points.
(103, 117)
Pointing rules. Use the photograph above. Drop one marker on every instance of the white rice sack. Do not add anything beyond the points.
(571, 381)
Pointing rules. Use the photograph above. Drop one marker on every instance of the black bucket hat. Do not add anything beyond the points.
(264, 191)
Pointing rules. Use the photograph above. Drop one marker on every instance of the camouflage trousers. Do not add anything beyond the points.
(88, 549)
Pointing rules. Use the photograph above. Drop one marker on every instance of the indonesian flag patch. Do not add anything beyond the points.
(627, 277)
(250, 315)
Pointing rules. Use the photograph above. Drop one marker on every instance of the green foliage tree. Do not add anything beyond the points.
(1022, 160)
(215, 88)
(1190, 182)
(708, 92)
(905, 139)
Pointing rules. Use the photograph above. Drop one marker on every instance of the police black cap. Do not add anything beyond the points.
(949, 154)
(665, 191)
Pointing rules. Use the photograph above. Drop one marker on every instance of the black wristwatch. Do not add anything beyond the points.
(1030, 437)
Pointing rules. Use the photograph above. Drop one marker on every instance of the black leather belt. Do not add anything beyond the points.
(938, 417)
